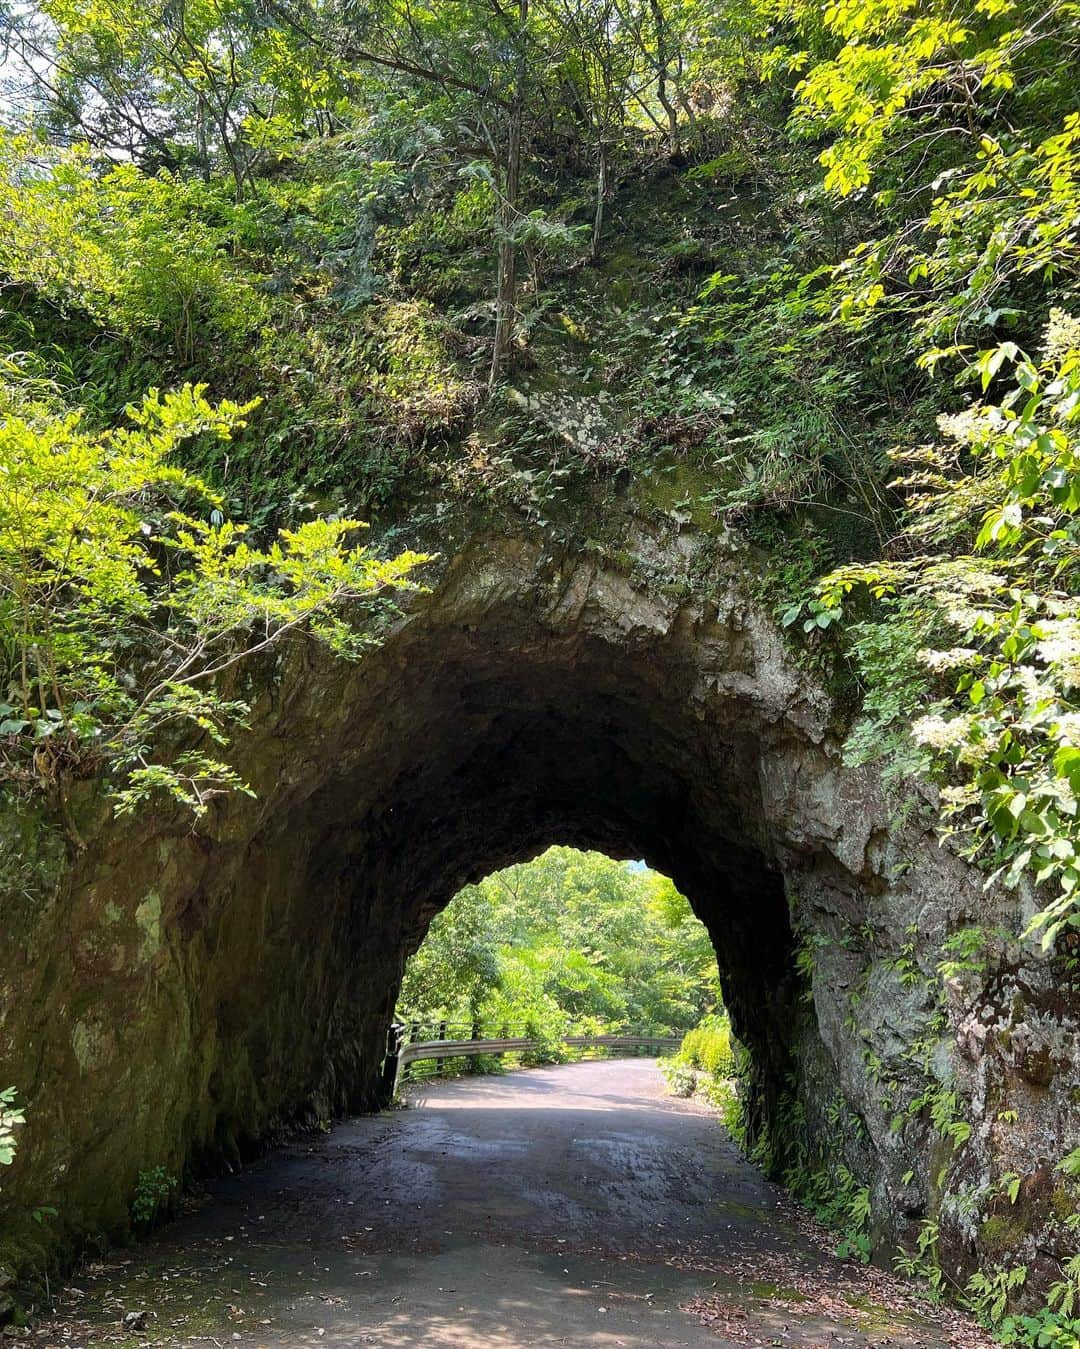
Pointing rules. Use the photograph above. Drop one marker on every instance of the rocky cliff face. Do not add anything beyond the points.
(170, 995)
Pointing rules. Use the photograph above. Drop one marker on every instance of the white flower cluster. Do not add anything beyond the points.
(941, 733)
(1062, 335)
(964, 427)
(1060, 647)
(1066, 729)
(941, 662)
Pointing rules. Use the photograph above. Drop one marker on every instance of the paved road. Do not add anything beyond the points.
(576, 1205)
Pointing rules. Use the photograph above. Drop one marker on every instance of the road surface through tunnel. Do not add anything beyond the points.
(570, 1205)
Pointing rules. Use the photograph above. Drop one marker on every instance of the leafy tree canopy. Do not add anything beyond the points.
(570, 938)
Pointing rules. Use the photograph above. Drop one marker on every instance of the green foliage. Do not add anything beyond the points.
(923, 1263)
(836, 1198)
(885, 656)
(124, 277)
(154, 1191)
(965, 952)
(708, 1047)
(144, 255)
(11, 1116)
(570, 938)
(823, 1183)
(710, 1063)
(1064, 1296)
(205, 85)
(417, 383)
(729, 1097)
(1057, 1324)
(457, 964)
(811, 405)
(713, 1065)
(805, 965)
(988, 1292)
(972, 107)
(1044, 1329)
(1070, 1164)
(995, 586)
(680, 1077)
(125, 595)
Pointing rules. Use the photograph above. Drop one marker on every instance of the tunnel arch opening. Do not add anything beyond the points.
(752, 946)
(571, 944)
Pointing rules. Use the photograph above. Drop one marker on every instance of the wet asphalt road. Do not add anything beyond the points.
(575, 1205)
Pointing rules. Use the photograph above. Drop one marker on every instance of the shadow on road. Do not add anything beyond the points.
(576, 1205)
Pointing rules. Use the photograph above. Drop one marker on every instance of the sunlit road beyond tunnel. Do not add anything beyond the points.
(576, 1205)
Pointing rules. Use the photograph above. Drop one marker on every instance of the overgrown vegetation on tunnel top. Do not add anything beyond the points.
(801, 276)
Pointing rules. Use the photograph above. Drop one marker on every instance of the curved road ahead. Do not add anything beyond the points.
(576, 1205)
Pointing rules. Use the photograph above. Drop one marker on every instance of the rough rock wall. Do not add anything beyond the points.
(170, 994)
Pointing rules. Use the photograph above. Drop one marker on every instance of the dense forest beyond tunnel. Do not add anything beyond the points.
(527, 699)
(571, 942)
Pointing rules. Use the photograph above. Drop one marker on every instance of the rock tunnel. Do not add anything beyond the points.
(521, 737)
(218, 984)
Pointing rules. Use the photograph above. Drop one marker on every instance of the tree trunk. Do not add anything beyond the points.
(506, 277)
(663, 63)
(601, 198)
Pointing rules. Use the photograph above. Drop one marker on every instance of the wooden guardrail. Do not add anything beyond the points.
(401, 1051)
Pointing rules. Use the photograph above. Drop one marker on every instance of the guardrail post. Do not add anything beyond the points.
(392, 1062)
(414, 1035)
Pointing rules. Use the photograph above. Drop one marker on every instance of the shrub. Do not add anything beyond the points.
(681, 1080)
(708, 1047)
(10, 1118)
(124, 592)
(706, 1064)
(153, 1191)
